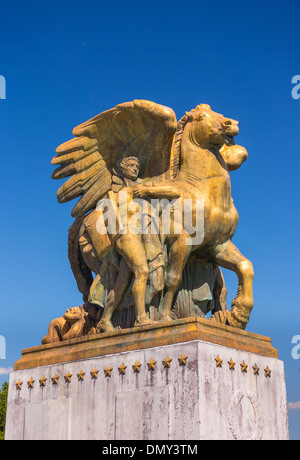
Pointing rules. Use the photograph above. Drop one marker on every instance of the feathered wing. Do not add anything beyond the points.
(139, 128)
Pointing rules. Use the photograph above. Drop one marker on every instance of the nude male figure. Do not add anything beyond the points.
(130, 246)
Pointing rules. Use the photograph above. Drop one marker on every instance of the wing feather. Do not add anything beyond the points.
(97, 191)
(138, 128)
(76, 166)
(69, 157)
(78, 183)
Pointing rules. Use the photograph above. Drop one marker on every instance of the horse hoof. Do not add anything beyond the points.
(240, 311)
(226, 317)
(220, 317)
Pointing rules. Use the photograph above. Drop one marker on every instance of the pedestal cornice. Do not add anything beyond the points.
(159, 334)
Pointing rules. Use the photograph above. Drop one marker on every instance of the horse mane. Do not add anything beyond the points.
(196, 113)
(176, 147)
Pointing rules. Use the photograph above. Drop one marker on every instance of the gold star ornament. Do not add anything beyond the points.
(218, 361)
(122, 369)
(151, 365)
(231, 364)
(167, 362)
(80, 375)
(267, 372)
(19, 385)
(182, 360)
(244, 367)
(107, 372)
(255, 369)
(30, 382)
(42, 381)
(137, 367)
(94, 373)
(55, 379)
(67, 377)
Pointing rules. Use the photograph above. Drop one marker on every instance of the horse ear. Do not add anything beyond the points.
(203, 107)
(190, 114)
(199, 112)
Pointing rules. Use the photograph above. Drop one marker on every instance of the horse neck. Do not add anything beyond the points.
(198, 163)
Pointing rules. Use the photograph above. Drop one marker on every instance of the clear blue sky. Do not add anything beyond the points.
(66, 61)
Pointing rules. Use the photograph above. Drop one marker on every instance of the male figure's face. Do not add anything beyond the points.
(130, 169)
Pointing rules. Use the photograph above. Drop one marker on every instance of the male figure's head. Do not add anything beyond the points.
(130, 167)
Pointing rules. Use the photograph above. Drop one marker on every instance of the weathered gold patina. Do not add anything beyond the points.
(140, 151)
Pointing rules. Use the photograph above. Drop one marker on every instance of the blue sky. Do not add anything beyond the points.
(67, 61)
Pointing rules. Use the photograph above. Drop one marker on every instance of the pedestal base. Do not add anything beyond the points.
(188, 390)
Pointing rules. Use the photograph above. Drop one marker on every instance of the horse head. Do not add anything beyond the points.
(210, 129)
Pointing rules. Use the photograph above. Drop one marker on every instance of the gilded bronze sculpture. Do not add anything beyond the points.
(136, 159)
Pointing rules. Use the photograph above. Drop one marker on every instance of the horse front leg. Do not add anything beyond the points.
(228, 256)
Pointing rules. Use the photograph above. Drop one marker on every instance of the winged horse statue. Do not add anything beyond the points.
(186, 160)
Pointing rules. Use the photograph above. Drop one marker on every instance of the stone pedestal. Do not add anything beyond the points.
(188, 380)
